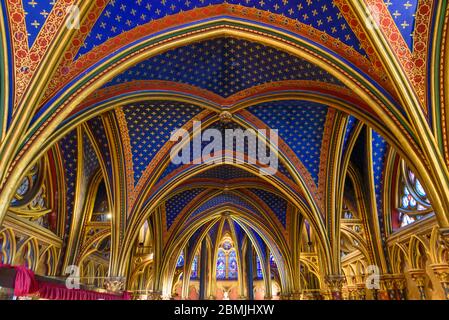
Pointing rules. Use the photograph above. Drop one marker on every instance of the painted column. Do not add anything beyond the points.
(268, 291)
(249, 271)
(361, 291)
(419, 277)
(390, 287)
(335, 284)
(400, 285)
(442, 272)
(203, 270)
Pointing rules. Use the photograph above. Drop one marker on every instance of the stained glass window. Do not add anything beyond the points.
(259, 268)
(180, 262)
(227, 245)
(227, 265)
(221, 265)
(24, 187)
(194, 273)
(232, 265)
(414, 203)
(28, 188)
(273, 264)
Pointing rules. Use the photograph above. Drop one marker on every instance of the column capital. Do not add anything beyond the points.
(361, 290)
(295, 296)
(285, 296)
(387, 282)
(441, 271)
(444, 236)
(156, 295)
(114, 284)
(326, 295)
(335, 282)
(419, 276)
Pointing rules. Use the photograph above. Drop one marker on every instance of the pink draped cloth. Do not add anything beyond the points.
(26, 284)
(52, 291)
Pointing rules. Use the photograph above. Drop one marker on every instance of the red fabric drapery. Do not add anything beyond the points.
(26, 284)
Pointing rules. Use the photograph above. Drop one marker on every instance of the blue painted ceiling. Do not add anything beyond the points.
(36, 13)
(90, 163)
(98, 131)
(177, 203)
(224, 66)
(403, 13)
(69, 150)
(350, 129)
(300, 125)
(224, 199)
(277, 204)
(123, 15)
(150, 126)
(379, 149)
(225, 172)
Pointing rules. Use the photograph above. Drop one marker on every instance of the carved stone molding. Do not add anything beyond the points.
(115, 284)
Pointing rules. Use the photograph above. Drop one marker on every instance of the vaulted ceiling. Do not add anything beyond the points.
(113, 90)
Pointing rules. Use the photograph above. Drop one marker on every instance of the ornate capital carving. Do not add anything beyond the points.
(114, 284)
(444, 237)
(442, 272)
(155, 296)
(419, 276)
(335, 282)
(225, 117)
(295, 296)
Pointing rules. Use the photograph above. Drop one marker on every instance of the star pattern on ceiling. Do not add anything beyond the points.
(69, 149)
(300, 124)
(225, 172)
(150, 126)
(36, 13)
(225, 66)
(404, 14)
(350, 127)
(90, 161)
(213, 232)
(379, 149)
(177, 203)
(277, 204)
(98, 131)
(239, 233)
(223, 199)
(120, 16)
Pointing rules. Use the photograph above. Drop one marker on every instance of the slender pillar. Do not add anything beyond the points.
(361, 291)
(203, 270)
(268, 291)
(400, 285)
(382, 292)
(249, 271)
(442, 272)
(390, 287)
